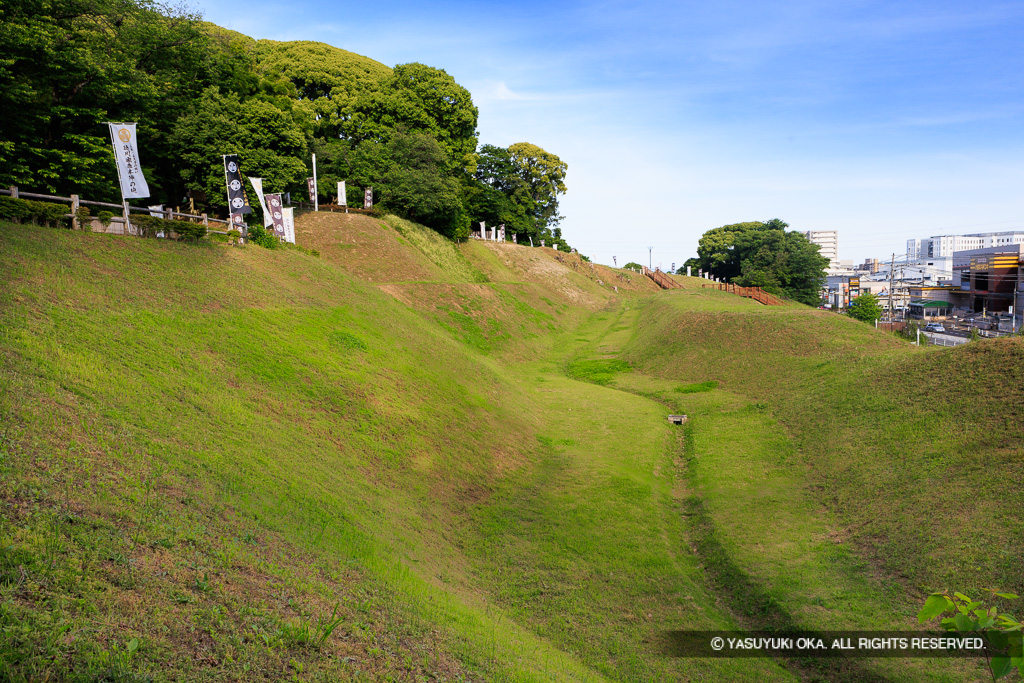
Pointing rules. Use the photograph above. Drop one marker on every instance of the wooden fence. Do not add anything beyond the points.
(116, 225)
(755, 293)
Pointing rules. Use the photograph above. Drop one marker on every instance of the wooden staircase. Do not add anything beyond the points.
(755, 293)
(661, 279)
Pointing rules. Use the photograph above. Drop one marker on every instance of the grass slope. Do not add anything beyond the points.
(917, 450)
(408, 460)
(237, 464)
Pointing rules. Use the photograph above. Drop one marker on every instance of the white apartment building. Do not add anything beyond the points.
(828, 240)
(943, 246)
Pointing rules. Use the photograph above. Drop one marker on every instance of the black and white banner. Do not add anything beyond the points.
(368, 198)
(238, 203)
(126, 154)
(276, 213)
(312, 189)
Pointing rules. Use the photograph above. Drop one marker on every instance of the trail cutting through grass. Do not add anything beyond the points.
(772, 553)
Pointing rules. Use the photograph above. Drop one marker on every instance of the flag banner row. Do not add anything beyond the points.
(126, 154)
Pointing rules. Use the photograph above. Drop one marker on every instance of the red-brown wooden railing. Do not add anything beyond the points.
(661, 279)
(755, 293)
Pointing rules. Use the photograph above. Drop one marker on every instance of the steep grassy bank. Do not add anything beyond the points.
(917, 451)
(239, 464)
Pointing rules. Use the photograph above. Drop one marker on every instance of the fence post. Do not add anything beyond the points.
(206, 221)
(74, 212)
(14, 191)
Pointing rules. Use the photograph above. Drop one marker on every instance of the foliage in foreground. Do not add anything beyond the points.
(1003, 634)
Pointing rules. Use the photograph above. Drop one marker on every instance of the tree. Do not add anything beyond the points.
(67, 66)
(408, 175)
(417, 98)
(329, 78)
(519, 186)
(544, 176)
(763, 254)
(270, 144)
(865, 308)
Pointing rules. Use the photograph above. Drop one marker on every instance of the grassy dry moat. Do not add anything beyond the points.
(409, 461)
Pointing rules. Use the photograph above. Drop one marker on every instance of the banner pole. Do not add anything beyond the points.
(227, 190)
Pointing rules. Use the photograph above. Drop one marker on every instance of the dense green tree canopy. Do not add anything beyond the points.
(519, 187)
(417, 98)
(756, 254)
(67, 66)
(268, 141)
(330, 78)
(198, 91)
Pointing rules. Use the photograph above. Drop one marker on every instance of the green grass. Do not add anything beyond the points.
(914, 450)
(440, 251)
(225, 463)
(697, 387)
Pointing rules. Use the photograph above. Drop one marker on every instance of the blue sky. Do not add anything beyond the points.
(883, 120)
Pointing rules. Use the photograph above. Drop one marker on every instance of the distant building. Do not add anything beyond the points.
(947, 245)
(870, 265)
(988, 279)
(828, 241)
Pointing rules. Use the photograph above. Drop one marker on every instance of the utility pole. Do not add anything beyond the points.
(650, 261)
(892, 273)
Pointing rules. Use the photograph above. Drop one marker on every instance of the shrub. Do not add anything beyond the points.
(47, 213)
(148, 226)
(84, 216)
(234, 235)
(188, 231)
(104, 217)
(14, 209)
(259, 235)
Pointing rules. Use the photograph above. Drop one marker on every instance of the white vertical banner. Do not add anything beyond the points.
(289, 224)
(257, 186)
(342, 199)
(126, 154)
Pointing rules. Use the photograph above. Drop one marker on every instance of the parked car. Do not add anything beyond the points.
(934, 327)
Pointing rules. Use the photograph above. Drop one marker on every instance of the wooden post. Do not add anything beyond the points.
(206, 221)
(74, 212)
(14, 191)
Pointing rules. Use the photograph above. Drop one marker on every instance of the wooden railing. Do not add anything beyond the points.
(661, 279)
(755, 293)
(74, 202)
